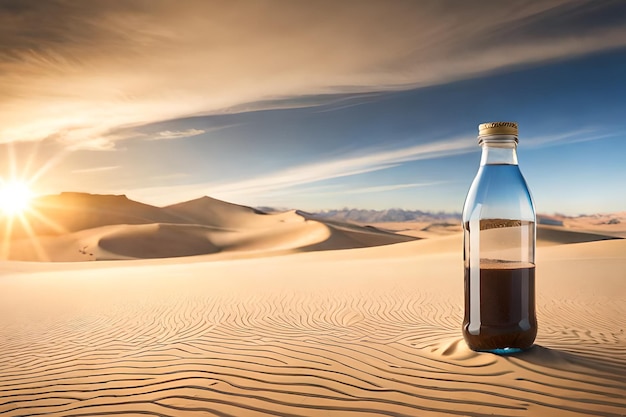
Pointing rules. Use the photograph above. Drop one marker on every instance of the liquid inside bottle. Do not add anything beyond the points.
(499, 250)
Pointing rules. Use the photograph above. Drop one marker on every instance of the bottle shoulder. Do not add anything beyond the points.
(499, 191)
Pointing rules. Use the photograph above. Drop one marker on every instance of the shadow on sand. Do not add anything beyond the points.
(593, 363)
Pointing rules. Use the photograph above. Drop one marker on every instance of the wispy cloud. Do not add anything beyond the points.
(169, 134)
(282, 180)
(82, 71)
(95, 169)
(566, 138)
(389, 187)
(350, 165)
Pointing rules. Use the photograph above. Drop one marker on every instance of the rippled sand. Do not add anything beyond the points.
(372, 331)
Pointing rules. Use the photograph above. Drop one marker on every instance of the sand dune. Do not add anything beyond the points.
(70, 212)
(82, 227)
(373, 331)
(161, 240)
(612, 224)
(554, 235)
(212, 212)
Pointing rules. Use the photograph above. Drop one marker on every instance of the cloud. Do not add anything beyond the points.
(95, 169)
(282, 180)
(389, 187)
(564, 138)
(168, 134)
(347, 166)
(77, 72)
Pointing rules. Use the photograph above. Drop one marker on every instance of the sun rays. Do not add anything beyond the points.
(22, 217)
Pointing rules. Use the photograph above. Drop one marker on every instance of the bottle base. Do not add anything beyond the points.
(504, 351)
(500, 341)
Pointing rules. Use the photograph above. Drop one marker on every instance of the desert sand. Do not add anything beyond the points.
(286, 316)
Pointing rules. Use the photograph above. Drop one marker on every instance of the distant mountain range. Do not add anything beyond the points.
(389, 215)
(401, 215)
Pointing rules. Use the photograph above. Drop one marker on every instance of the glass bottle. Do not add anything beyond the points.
(499, 248)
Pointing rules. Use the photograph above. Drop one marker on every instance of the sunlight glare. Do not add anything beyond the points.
(15, 197)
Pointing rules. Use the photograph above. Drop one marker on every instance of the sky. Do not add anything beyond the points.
(313, 105)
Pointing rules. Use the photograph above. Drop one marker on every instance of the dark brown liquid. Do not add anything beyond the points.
(505, 316)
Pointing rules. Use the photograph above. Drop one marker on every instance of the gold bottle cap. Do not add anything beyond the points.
(497, 128)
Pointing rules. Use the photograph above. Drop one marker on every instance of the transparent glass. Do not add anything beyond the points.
(499, 253)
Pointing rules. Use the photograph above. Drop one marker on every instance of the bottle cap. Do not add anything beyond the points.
(497, 128)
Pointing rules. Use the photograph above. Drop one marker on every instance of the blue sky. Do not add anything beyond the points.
(365, 105)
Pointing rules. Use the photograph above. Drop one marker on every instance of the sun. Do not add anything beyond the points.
(15, 197)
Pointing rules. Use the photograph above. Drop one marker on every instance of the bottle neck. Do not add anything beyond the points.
(498, 150)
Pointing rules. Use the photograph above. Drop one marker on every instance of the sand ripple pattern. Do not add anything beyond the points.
(301, 353)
